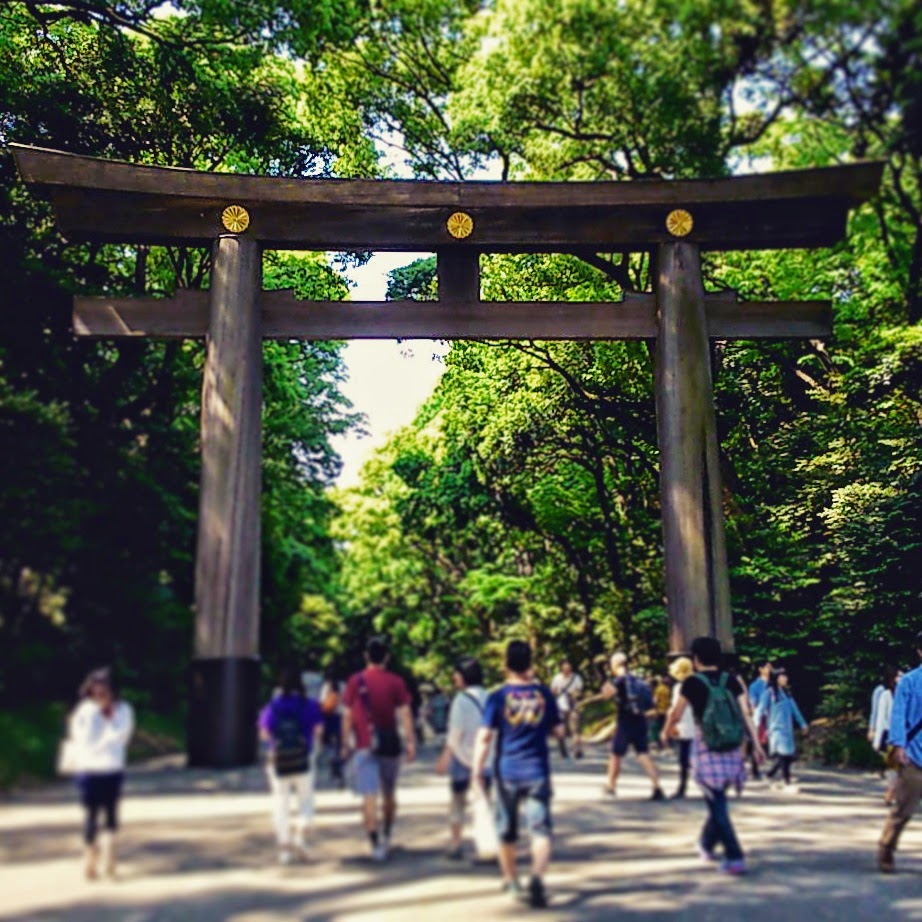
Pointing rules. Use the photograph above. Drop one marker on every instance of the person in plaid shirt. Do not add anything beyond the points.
(714, 771)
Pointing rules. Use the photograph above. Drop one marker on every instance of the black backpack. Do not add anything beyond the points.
(638, 697)
(290, 756)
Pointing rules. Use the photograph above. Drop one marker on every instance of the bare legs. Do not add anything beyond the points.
(646, 763)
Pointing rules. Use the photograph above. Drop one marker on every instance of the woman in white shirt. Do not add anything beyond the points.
(464, 721)
(99, 729)
(880, 730)
(680, 670)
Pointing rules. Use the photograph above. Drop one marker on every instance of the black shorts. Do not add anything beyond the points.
(632, 731)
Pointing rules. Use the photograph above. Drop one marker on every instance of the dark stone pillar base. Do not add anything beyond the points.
(223, 709)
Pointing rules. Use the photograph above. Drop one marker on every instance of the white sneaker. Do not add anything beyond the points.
(379, 852)
(791, 788)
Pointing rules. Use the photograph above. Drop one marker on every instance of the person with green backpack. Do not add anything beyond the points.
(720, 706)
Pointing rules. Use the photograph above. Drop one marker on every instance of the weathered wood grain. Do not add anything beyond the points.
(227, 559)
(697, 581)
(109, 201)
(286, 317)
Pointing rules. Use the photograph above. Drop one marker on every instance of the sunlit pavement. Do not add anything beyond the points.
(197, 846)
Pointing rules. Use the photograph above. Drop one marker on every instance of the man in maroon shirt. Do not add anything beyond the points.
(374, 700)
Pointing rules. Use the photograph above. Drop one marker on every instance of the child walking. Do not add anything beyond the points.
(780, 711)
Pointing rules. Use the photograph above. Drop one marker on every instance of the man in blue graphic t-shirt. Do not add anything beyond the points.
(521, 715)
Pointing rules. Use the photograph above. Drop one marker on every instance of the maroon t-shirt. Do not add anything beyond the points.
(386, 693)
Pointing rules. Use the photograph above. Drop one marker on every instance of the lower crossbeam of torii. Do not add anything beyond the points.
(240, 216)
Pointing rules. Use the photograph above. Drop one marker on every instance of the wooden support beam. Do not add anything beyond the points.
(223, 712)
(127, 203)
(458, 273)
(697, 581)
(286, 317)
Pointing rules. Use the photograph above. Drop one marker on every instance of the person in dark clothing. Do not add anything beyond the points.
(715, 769)
(633, 700)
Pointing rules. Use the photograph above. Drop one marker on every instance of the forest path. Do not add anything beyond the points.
(196, 845)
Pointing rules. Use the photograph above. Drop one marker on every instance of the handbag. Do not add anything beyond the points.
(486, 842)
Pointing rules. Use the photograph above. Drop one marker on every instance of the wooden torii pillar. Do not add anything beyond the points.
(239, 216)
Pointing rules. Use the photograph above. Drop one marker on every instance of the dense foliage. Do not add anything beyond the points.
(523, 499)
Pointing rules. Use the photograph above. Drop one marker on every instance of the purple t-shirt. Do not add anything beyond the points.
(305, 710)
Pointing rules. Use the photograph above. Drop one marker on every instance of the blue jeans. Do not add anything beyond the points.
(718, 829)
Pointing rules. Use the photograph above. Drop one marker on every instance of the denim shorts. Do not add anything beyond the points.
(535, 796)
(375, 773)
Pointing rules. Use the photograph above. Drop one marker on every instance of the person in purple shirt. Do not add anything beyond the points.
(291, 725)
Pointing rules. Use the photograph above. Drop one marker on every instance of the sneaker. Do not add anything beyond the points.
(658, 795)
(513, 888)
(734, 867)
(537, 897)
(609, 791)
(284, 856)
(708, 857)
(379, 852)
(791, 789)
(679, 795)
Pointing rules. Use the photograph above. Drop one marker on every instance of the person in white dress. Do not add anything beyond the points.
(100, 728)
(464, 720)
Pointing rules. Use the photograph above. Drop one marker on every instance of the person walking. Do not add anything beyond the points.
(780, 712)
(520, 716)
(331, 704)
(291, 725)
(906, 740)
(464, 719)
(633, 701)
(719, 703)
(880, 736)
(684, 731)
(567, 687)
(375, 699)
(662, 701)
(99, 730)
(757, 688)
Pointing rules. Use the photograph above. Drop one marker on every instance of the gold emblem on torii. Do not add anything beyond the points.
(679, 223)
(235, 218)
(460, 225)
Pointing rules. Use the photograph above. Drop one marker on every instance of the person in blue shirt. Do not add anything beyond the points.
(520, 715)
(759, 684)
(780, 712)
(906, 739)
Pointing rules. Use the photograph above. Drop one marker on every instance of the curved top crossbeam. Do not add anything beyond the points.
(106, 200)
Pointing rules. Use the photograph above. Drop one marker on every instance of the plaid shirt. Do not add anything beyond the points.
(716, 770)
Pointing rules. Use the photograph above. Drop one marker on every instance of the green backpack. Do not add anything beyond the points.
(722, 725)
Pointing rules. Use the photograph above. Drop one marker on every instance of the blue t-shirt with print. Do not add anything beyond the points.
(522, 716)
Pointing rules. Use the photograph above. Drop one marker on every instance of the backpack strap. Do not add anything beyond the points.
(470, 697)
(913, 733)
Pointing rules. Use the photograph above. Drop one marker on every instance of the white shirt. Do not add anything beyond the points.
(566, 689)
(101, 742)
(464, 720)
(882, 712)
(686, 724)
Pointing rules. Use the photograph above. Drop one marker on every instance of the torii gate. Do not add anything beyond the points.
(238, 216)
